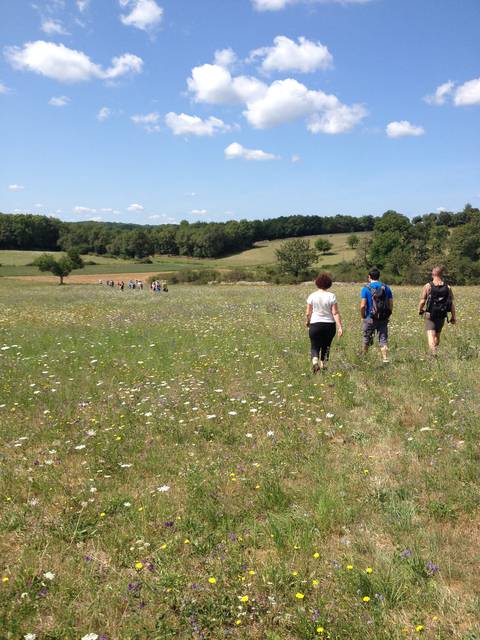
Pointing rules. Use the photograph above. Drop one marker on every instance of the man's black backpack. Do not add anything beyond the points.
(380, 307)
(439, 301)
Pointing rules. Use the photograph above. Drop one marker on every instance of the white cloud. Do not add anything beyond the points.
(104, 114)
(441, 94)
(199, 212)
(468, 93)
(148, 121)
(16, 187)
(135, 207)
(186, 125)
(53, 27)
(277, 5)
(287, 100)
(144, 14)
(39, 205)
(295, 158)
(83, 210)
(3, 88)
(340, 119)
(60, 101)
(274, 104)
(83, 5)
(236, 150)
(403, 128)
(287, 55)
(214, 84)
(225, 57)
(58, 62)
(95, 219)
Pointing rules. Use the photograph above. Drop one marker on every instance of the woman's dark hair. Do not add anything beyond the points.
(374, 273)
(324, 281)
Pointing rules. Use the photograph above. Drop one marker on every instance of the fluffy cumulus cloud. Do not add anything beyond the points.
(3, 88)
(281, 101)
(403, 128)
(149, 121)
(237, 151)
(199, 212)
(277, 5)
(287, 55)
(214, 84)
(287, 100)
(53, 27)
(58, 62)
(468, 93)
(60, 101)
(144, 14)
(441, 94)
(186, 125)
(104, 114)
(83, 5)
(135, 208)
(16, 187)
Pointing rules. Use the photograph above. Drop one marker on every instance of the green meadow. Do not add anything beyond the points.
(16, 263)
(170, 468)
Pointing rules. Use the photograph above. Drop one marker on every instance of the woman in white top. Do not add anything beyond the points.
(323, 320)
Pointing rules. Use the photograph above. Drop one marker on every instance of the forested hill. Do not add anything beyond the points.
(211, 239)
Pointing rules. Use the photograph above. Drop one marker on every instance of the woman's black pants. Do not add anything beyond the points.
(321, 336)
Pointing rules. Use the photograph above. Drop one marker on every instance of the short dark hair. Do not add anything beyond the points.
(324, 281)
(374, 273)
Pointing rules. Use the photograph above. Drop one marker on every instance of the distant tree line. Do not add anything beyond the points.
(198, 239)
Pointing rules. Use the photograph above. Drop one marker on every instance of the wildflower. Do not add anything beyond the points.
(212, 580)
(407, 553)
(164, 488)
(5, 579)
(103, 514)
(320, 630)
(29, 636)
(244, 598)
(315, 582)
(49, 575)
(186, 541)
(431, 568)
(419, 628)
(90, 636)
(366, 598)
(349, 567)
(369, 570)
(138, 566)
(163, 546)
(251, 572)
(300, 596)
(238, 622)
(316, 554)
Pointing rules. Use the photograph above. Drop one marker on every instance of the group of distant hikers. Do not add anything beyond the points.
(376, 306)
(156, 286)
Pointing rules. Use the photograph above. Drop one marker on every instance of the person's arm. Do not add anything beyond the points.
(363, 307)
(338, 319)
(308, 314)
(423, 299)
(453, 318)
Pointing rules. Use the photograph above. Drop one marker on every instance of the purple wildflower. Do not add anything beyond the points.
(406, 554)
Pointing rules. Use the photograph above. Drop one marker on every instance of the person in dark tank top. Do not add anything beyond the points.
(435, 304)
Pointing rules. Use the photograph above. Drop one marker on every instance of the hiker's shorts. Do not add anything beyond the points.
(434, 324)
(371, 327)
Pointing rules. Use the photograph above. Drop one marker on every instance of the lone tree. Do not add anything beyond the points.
(353, 241)
(296, 256)
(323, 245)
(61, 267)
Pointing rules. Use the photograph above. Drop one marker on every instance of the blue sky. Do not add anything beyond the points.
(153, 111)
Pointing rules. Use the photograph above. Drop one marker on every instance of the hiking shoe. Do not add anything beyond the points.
(315, 368)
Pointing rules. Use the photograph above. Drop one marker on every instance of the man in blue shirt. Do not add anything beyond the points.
(376, 307)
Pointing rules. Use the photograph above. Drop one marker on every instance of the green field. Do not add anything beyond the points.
(170, 468)
(15, 263)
